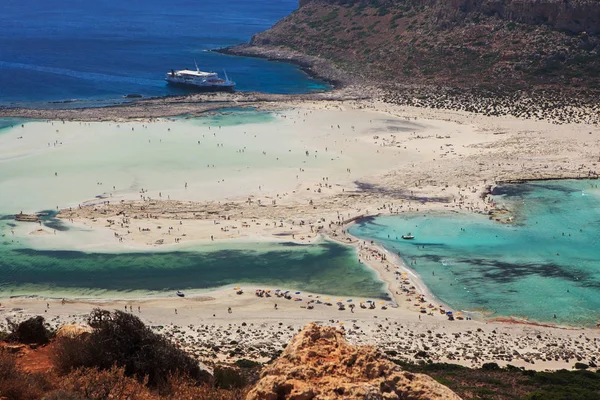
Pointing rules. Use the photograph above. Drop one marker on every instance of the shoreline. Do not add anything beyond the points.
(458, 156)
(377, 266)
(315, 67)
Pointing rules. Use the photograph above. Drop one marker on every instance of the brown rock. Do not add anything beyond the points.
(14, 348)
(72, 331)
(318, 364)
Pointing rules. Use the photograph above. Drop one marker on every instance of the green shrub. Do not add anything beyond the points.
(490, 366)
(229, 378)
(330, 17)
(30, 331)
(122, 339)
(245, 363)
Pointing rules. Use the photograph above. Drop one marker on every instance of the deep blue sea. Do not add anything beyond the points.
(97, 51)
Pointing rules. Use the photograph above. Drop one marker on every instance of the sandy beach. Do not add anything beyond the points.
(302, 173)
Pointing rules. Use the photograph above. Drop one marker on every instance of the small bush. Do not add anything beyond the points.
(184, 389)
(492, 366)
(122, 339)
(421, 354)
(63, 395)
(245, 363)
(16, 384)
(31, 331)
(95, 384)
(229, 378)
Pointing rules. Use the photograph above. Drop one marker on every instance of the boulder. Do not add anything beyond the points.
(318, 364)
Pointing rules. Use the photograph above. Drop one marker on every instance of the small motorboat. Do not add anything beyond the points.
(408, 237)
(180, 293)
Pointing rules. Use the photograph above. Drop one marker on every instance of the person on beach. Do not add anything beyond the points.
(229, 310)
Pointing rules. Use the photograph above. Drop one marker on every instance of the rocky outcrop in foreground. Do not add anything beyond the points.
(319, 364)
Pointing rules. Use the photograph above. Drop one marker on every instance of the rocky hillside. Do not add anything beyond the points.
(457, 43)
(319, 364)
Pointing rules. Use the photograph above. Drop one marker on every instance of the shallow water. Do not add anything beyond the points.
(327, 268)
(9, 122)
(56, 164)
(91, 53)
(60, 165)
(529, 269)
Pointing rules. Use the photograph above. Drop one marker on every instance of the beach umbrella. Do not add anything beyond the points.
(349, 300)
(236, 288)
(382, 302)
(369, 301)
(297, 292)
(340, 300)
(327, 298)
(278, 290)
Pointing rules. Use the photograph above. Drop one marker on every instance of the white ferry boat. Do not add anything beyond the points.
(200, 80)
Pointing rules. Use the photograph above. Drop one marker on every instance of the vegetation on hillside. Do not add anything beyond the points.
(134, 354)
(440, 42)
(492, 382)
(121, 339)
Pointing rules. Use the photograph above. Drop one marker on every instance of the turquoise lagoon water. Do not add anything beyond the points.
(323, 268)
(547, 263)
(234, 117)
(9, 122)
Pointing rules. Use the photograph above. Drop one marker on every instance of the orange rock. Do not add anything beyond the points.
(318, 364)
(72, 331)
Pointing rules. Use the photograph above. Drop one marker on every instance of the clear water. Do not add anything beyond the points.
(160, 157)
(9, 122)
(234, 117)
(328, 268)
(98, 51)
(529, 269)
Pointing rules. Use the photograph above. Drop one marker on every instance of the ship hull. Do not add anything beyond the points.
(203, 88)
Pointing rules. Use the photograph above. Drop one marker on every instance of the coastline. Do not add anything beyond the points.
(315, 67)
(459, 156)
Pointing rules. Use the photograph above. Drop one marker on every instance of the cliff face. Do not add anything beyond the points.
(463, 43)
(319, 364)
(574, 16)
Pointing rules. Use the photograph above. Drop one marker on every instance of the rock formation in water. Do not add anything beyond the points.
(319, 364)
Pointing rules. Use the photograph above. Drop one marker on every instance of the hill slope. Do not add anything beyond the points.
(458, 43)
